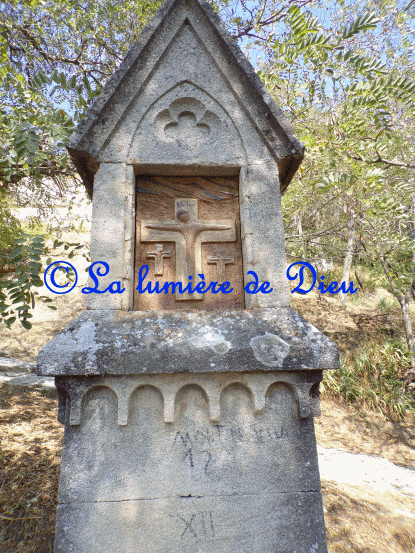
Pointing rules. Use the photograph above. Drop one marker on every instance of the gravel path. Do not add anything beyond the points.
(27, 379)
(355, 469)
(358, 469)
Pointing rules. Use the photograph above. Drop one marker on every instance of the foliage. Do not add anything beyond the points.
(346, 82)
(341, 70)
(372, 378)
(19, 292)
(345, 108)
(56, 56)
(10, 229)
(17, 295)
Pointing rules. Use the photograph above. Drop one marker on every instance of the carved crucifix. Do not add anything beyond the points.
(220, 261)
(188, 233)
(159, 255)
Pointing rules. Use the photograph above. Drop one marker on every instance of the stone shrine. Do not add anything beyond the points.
(188, 414)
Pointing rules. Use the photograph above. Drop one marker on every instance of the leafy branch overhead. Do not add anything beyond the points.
(343, 74)
(349, 90)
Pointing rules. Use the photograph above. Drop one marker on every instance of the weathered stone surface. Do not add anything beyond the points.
(112, 233)
(186, 46)
(237, 524)
(188, 431)
(244, 482)
(111, 342)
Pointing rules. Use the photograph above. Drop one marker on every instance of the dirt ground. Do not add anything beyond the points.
(358, 519)
(359, 321)
(31, 442)
(342, 427)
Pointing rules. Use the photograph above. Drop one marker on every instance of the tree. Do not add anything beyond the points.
(348, 91)
(340, 70)
(55, 58)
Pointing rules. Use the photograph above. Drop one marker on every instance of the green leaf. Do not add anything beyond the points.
(10, 321)
(362, 23)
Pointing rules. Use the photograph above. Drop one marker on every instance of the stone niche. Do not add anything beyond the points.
(188, 417)
(209, 244)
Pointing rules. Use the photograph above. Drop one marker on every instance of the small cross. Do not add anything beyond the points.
(158, 257)
(220, 261)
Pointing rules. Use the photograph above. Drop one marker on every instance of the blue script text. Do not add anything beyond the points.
(331, 288)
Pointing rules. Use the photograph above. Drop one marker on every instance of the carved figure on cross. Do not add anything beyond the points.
(159, 255)
(220, 261)
(188, 233)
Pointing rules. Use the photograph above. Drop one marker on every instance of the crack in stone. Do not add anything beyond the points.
(169, 497)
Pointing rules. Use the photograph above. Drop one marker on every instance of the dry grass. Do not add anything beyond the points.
(374, 355)
(343, 427)
(358, 520)
(31, 441)
(359, 322)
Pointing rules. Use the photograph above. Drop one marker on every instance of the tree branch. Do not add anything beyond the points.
(381, 160)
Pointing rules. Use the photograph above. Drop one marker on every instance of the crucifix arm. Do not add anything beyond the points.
(163, 226)
(199, 227)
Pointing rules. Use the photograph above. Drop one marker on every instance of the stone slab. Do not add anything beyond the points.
(111, 342)
(257, 523)
(27, 380)
(10, 364)
(123, 441)
(247, 481)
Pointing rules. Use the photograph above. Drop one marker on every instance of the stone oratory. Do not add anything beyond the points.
(188, 414)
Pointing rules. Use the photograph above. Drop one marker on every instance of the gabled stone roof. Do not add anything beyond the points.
(109, 108)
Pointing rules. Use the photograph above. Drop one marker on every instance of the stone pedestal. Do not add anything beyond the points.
(188, 422)
(212, 452)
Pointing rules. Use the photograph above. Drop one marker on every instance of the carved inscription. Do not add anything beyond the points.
(197, 448)
(197, 526)
(188, 226)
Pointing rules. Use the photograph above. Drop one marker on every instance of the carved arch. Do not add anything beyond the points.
(184, 113)
(94, 390)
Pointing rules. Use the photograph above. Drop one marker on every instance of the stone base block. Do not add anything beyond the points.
(198, 463)
(277, 523)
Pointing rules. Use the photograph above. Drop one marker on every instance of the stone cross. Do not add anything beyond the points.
(220, 261)
(188, 233)
(159, 255)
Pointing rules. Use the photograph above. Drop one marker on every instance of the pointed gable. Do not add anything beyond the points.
(184, 95)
